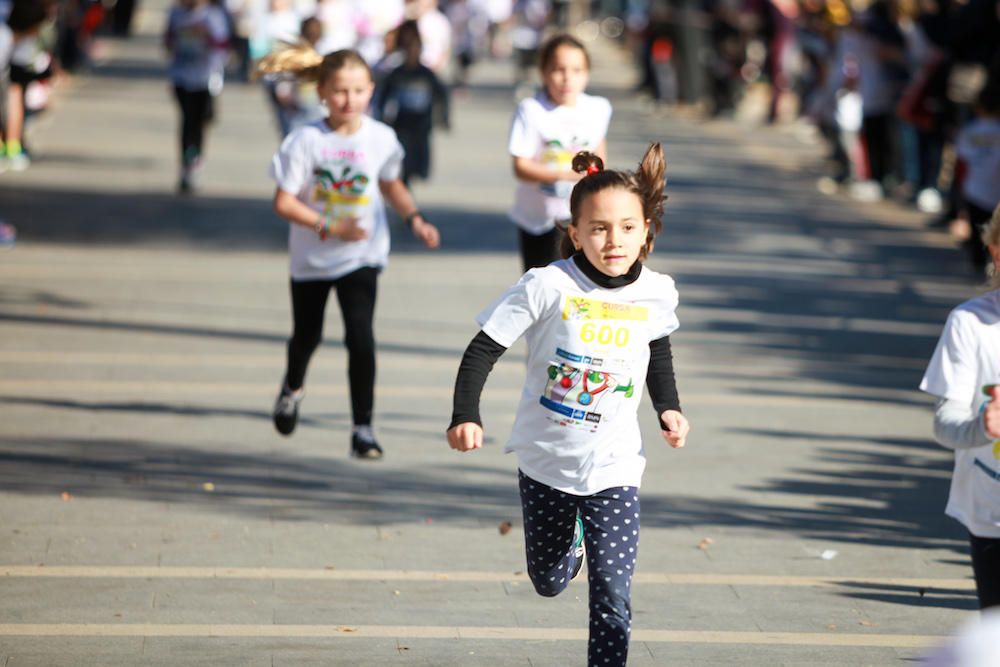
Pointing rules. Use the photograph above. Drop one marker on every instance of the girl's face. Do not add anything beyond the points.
(611, 230)
(346, 93)
(566, 75)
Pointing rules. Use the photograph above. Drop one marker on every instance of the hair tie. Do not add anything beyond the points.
(592, 169)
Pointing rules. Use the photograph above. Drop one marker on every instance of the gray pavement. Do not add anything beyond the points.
(150, 515)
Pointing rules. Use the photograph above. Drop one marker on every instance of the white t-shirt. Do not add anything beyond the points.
(199, 39)
(966, 359)
(553, 135)
(340, 174)
(576, 428)
(435, 33)
(978, 145)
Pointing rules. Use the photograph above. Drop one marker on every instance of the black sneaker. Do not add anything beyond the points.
(578, 549)
(363, 444)
(286, 410)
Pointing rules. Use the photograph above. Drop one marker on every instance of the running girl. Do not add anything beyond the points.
(597, 325)
(548, 130)
(964, 376)
(333, 177)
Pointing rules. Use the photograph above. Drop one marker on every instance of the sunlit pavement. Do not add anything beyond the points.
(149, 514)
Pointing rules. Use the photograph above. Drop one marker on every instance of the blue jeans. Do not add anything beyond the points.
(611, 537)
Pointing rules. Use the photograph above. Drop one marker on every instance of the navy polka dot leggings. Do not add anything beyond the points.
(611, 537)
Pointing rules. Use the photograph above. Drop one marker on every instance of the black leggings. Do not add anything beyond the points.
(356, 295)
(196, 112)
(986, 568)
(540, 250)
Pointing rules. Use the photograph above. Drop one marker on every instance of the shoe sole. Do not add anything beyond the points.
(369, 454)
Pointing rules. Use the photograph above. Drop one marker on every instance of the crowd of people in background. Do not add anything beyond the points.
(905, 92)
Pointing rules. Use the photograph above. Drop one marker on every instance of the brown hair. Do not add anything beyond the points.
(646, 183)
(305, 64)
(991, 237)
(548, 50)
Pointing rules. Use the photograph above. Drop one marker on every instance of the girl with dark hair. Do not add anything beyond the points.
(333, 179)
(598, 326)
(548, 129)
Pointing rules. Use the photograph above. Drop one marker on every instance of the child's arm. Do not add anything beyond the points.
(291, 208)
(662, 388)
(401, 200)
(466, 431)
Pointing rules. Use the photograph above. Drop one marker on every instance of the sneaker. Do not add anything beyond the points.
(286, 410)
(578, 549)
(18, 162)
(363, 443)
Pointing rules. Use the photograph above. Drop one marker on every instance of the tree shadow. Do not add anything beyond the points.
(281, 485)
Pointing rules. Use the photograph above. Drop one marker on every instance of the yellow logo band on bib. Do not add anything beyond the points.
(582, 308)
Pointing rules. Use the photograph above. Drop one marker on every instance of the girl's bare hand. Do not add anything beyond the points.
(426, 233)
(465, 436)
(349, 229)
(991, 413)
(677, 428)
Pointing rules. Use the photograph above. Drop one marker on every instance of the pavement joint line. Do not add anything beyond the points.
(267, 573)
(461, 632)
(48, 389)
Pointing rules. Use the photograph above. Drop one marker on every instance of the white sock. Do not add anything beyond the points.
(364, 432)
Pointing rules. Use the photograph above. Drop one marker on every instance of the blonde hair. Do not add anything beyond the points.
(990, 236)
(646, 183)
(304, 63)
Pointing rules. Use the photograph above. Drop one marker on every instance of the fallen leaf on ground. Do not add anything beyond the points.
(67, 496)
(867, 624)
(705, 543)
(208, 486)
(346, 629)
(504, 527)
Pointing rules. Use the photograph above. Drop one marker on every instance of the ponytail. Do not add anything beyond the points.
(304, 63)
(301, 61)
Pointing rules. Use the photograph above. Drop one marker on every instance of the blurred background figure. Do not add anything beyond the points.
(530, 17)
(196, 39)
(978, 150)
(342, 22)
(410, 100)
(30, 61)
(470, 30)
(293, 102)
(435, 32)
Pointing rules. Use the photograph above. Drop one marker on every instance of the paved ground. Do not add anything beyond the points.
(150, 515)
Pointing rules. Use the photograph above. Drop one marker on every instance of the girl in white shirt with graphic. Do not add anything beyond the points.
(964, 376)
(547, 131)
(597, 326)
(333, 179)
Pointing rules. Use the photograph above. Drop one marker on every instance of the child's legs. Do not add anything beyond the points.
(540, 250)
(549, 522)
(611, 534)
(978, 218)
(356, 294)
(194, 106)
(986, 568)
(14, 122)
(308, 305)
